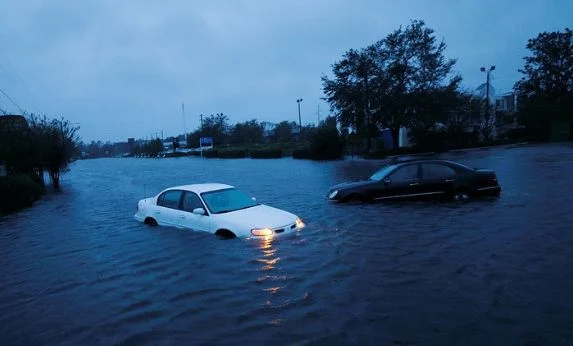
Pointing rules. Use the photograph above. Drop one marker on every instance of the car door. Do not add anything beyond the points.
(404, 182)
(437, 179)
(185, 217)
(167, 207)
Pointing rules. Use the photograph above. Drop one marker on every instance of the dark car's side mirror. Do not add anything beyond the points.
(387, 181)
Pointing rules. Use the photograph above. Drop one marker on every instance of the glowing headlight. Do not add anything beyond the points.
(261, 232)
(299, 223)
(333, 194)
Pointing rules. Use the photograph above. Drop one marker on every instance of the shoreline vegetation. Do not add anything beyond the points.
(30, 148)
(305, 154)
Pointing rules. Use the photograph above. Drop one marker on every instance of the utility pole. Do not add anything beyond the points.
(318, 114)
(184, 121)
(487, 115)
(298, 101)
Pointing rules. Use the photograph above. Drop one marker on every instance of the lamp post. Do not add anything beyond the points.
(298, 101)
(482, 69)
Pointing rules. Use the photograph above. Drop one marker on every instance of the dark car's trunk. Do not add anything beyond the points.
(486, 177)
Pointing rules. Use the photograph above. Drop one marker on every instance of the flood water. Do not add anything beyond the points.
(78, 269)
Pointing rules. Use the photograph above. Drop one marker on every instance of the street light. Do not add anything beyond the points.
(298, 101)
(482, 69)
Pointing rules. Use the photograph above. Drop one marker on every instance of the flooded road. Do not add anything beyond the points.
(78, 269)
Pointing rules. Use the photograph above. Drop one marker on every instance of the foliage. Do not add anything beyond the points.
(302, 153)
(248, 132)
(230, 153)
(401, 80)
(17, 192)
(326, 143)
(215, 126)
(266, 153)
(283, 132)
(545, 91)
(150, 149)
(211, 153)
(18, 149)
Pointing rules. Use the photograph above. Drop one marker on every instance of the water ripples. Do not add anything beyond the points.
(76, 268)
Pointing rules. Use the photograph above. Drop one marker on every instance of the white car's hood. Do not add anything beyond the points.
(260, 216)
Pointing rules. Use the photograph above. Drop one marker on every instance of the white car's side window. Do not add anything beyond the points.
(170, 199)
(191, 202)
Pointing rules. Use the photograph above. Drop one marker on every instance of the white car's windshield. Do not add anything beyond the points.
(382, 173)
(224, 201)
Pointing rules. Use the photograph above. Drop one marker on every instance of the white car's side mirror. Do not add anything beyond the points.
(199, 211)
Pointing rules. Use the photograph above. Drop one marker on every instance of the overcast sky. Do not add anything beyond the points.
(122, 68)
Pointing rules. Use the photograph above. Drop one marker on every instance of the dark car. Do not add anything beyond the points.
(419, 179)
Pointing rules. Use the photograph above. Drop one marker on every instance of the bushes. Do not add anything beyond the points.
(211, 153)
(231, 153)
(326, 144)
(303, 153)
(17, 192)
(267, 153)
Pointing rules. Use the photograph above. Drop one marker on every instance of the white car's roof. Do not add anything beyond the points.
(200, 188)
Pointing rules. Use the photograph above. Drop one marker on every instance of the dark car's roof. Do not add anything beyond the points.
(400, 162)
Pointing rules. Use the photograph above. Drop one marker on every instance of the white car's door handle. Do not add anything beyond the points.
(182, 217)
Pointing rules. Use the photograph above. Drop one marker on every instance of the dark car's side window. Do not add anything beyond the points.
(170, 199)
(433, 171)
(405, 174)
(191, 202)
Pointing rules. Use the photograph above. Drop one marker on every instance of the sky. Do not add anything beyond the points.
(120, 69)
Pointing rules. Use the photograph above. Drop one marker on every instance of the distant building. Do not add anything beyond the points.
(482, 92)
(268, 129)
(506, 102)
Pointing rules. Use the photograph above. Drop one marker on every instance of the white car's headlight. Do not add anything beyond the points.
(333, 194)
(299, 223)
(262, 232)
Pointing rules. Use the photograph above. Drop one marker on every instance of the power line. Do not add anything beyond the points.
(15, 77)
(10, 99)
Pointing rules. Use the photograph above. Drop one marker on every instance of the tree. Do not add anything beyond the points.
(401, 80)
(17, 149)
(248, 132)
(326, 143)
(282, 133)
(351, 92)
(56, 140)
(465, 115)
(545, 91)
(215, 126)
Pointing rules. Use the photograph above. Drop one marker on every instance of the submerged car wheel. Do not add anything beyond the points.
(225, 234)
(461, 195)
(150, 221)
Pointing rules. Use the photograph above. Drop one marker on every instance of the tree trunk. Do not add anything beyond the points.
(55, 177)
(40, 173)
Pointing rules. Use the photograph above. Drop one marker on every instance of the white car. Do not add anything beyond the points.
(215, 208)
